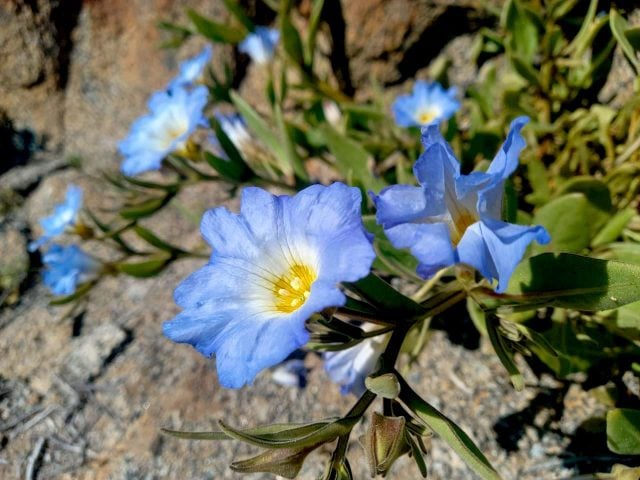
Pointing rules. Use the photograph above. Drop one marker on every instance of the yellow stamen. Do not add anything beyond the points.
(293, 288)
(426, 116)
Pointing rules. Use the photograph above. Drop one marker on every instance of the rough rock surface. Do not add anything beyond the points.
(84, 391)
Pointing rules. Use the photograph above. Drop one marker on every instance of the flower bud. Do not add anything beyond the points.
(384, 443)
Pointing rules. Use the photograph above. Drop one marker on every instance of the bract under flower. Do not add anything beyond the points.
(66, 267)
(273, 265)
(428, 104)
(454, 218)
(191, 70)
(174, 117)
(64, 216)
(260, 44)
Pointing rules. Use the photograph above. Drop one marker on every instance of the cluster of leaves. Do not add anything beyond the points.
(572, 311)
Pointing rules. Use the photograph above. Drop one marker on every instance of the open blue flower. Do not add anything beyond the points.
(191, 70)
(428, 104)
(453, 218)
(349, 368)
(66, 267)
(174, 117)
(260, 44)
(273, 265)
(64, 215)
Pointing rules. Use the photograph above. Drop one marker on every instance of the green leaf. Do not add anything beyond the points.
(292, 435)
(525, 69)
(352, 159)
(314, 23)
(628, 316)
(633, 37)
(144, 208)
(172, 187)
(382, 295)
(144, 269)
(573, 281)
(613, 228)
(449, 432)
(237, 11)
(229, 169)
(196, 435)
(623, 431)
(623, 251)
(618, 27)
(566, 220)
(293, 161)
(291, 38)
(521, 27)
(152, 239)
(215, 31)
(505, 355)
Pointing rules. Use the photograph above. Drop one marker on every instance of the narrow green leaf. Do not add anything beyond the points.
(573, 281)
(633, 37)
(237, 11)
(382, 295)
(196, 435)
(623, 431)
(618, 27)
(314, 23)
(613, 228)
(144, 208)
(293, 161)
(152, 239)
(215, 31)
(352, 159)
(144, 269)
(295, 436)
(231, 170)
(504, 354)
(449, 432)
(291, 39)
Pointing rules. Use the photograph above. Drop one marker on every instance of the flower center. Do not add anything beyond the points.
(292, 289)
(459, 225)
(171, 132)
(427, 116)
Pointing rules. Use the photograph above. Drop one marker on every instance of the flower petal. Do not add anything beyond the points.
(430, 243)
(495, 248)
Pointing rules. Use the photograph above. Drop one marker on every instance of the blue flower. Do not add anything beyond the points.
(191, 70)
(64, 215)
(273, 265)
(66, 267)
(260, 44)
(173, 119)
(429, 104)
(290, 373)
(453, 218)
(234, 126)
(349, 368)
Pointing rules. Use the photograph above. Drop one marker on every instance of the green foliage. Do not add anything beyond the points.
(623, 431)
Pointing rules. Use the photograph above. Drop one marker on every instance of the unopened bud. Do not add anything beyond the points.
(384, 442)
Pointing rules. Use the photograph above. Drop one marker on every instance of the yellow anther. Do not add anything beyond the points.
(292, 289)
(296, 283)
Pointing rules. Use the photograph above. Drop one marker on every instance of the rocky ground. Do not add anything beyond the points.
(84, 390)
